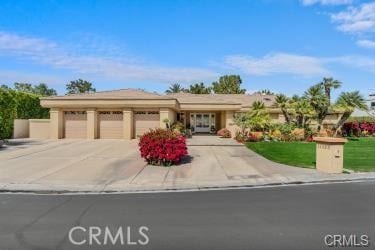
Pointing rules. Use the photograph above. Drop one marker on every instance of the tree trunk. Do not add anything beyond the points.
(286, 115)
(341, 122)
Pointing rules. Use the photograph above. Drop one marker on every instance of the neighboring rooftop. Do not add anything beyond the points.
(245, 100)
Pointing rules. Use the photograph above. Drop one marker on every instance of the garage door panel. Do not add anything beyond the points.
(146, 120)
(111, 125)
(75, 124)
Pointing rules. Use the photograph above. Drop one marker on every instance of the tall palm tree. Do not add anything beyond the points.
(319, 101)
(347, 102)
(199, 88)
(329, 84)
(282, 102)
(174, 88)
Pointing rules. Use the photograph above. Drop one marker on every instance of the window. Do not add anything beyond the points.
(372, 106)
(140, 112)
(153, 112)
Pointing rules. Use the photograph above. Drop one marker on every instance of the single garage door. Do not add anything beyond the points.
(110, 125)
(145, 120)
(75, 123)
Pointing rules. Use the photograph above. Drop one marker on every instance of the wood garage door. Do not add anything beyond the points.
(145, 120)
(111, 125)
(75, 124)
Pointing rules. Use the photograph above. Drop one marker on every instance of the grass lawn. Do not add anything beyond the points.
(359, 154)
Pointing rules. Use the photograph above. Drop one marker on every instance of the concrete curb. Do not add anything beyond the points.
(33, 189)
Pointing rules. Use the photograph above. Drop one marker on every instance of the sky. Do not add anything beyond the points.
(282, 45)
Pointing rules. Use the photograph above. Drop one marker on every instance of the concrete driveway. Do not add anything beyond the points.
(115, 165)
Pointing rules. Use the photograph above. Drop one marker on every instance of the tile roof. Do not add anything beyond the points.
(113, 94)
(244, 100)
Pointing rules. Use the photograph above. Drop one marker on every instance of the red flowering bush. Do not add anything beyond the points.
(358, 128)
(162, 147)
(224, 133)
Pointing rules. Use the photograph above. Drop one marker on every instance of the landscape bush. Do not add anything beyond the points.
(358, 128)
(18, 105)
(162, 147)
(224, 133)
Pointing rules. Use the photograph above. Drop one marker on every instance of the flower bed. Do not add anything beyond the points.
(162, 147)
(358, 128)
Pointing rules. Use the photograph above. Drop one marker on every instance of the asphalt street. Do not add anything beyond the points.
(289, 217)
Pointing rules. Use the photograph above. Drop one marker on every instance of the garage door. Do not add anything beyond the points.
(145, 120)
(75, 123)
(110, 125)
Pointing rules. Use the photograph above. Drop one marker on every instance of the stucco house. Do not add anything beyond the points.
(128, 113)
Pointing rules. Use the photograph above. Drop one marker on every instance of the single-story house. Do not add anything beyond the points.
(128, 113)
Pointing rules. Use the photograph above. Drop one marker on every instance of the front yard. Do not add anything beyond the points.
(359, 153)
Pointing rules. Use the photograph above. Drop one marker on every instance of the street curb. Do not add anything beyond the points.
(177, 190)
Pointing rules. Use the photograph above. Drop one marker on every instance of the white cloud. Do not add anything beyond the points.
(366, 44)
(276, 63)
(299, 65)
(355, 61)
(326, 2)
(359, 19)
(48, 53)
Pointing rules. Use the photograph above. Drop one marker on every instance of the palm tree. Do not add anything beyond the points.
(329, 84)
(282, 102)
(347, 102)
(303, 112)
(199, 88)
(174, 88)
(258, 116)
(318, 101)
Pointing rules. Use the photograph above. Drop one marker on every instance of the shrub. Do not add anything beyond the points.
(240, 136)
(275, 135)
(357, 128)
(224, 133)
(162, 147)
(255, 136)
(8, 111)
(18, 105)
(178, 126)
(298, 134)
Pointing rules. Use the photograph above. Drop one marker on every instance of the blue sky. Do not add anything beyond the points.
(284, 46)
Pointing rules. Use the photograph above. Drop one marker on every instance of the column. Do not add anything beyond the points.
(56, 123)
(166, 113)
(92, 124)
(128, 124)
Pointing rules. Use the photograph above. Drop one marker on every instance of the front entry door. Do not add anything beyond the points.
(202, 122)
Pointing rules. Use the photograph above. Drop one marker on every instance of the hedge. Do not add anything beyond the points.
(18, 105)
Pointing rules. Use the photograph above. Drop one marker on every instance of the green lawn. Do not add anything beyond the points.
(359, 154)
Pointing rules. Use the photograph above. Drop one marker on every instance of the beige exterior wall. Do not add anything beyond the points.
(92, 124)
(56, 124)
(20, 128)
(166, 113)
(229, 123)
(39, 128)
(128, 117)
